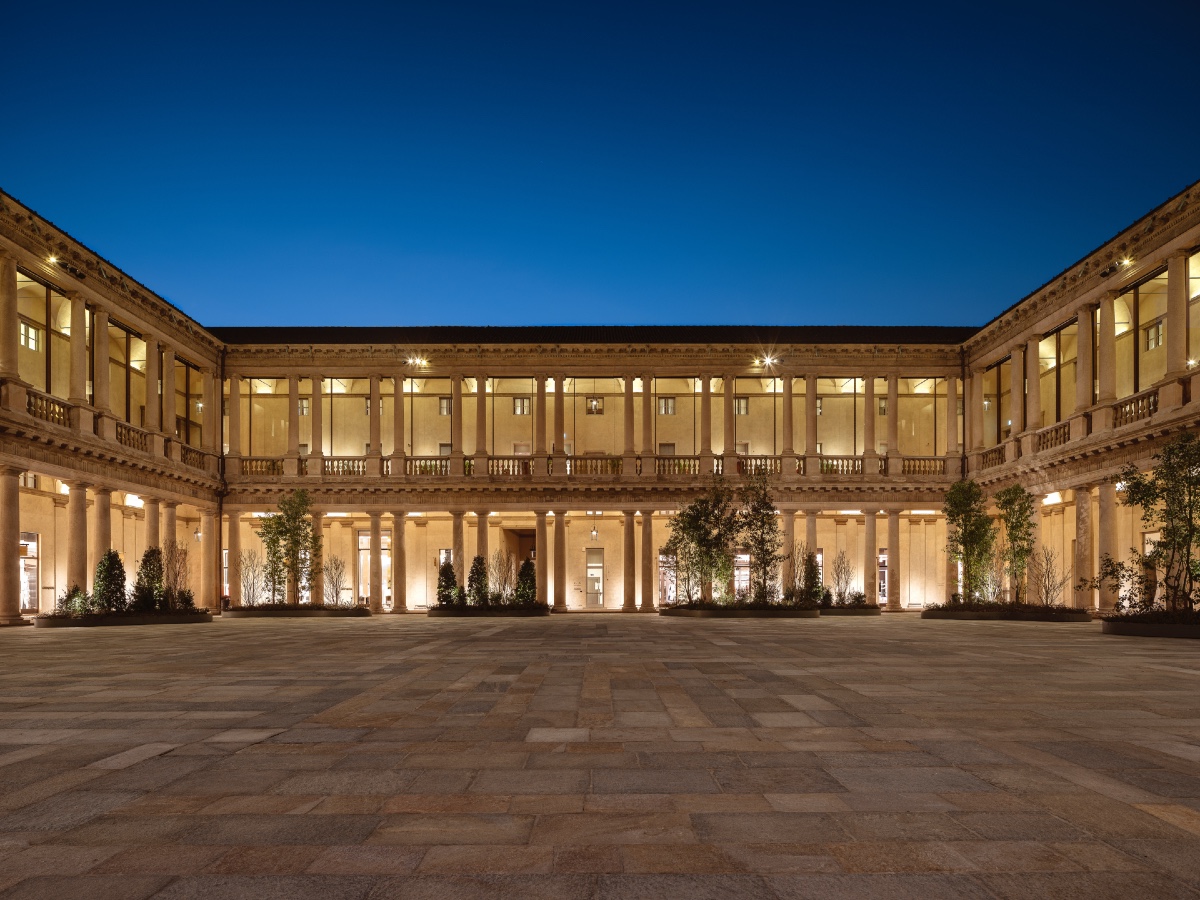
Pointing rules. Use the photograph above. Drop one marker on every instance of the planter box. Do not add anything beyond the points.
(1150, 629)
(1000, 615)
(122, 619)
(734, 613)
(989, 615)
(477, 612)
(1056, 615)
(297, 612)
(851, 610)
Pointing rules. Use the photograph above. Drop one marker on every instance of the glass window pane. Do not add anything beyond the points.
(1152, 344)
(1125, 343)
(917, 410)
(32, 335)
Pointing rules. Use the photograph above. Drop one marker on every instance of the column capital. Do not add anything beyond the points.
(102, 490)
(374, 514)
(1179, 252)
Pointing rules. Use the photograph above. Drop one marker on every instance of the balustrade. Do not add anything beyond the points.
(46, 408)
(841, 465)
(1054, 436)
(254, 465)
(344, 465)
(133, 438)
(1135, 408)
(511, 466)
(759, 465)
(594, 465)
(923, 465)
(427, 465)
(677, 465)
(992, 457)
(189, 456)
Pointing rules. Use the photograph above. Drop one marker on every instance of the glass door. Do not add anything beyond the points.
(595, 578)
(29, 573)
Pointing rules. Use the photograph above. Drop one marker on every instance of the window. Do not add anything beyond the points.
(445, 556)
(666, 449)
(304, 406)
(741, 406)
(521, 449)
(742, 448)
(594, 406)
(820, 448)
(818, 406)
(443, 449)
(883, 405)
(444, 406)
(30, 336)
(666, 406)
(520, 406)
(28, 480)
(1154, 335)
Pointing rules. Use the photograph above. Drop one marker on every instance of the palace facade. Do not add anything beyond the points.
(125, 423)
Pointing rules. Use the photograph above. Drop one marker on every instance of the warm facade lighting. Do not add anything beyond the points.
(1052, 498)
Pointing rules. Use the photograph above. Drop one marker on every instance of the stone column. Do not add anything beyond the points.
(706, 466)
(209, 592)
(376, 573)
(77, 387)
(233, 462)
(102, 540)
(1170, 395)
(893, 548)
(1033, 375)
(209, 421)
(234, 545)
(10, 510)
(870, 447)
(893, 418)
(1016, 388)
(153, 531)
(481, 534)
(153, 395)
(730, 426)
(9, 332)
(560, 417)
(399, 562)
(376, 448)
(170, 533)
(316, 427)
(649, 451)
(101, 382)
(316, 590)
(1084, 374)
(291, 464)
(481, 451)
(788, 521)
(1106, 363)
(560, 560)
(812, 462)
(1107, 537)
(169, 414)
(398, 435)
(1083, 546)
(953, 452)
(77, 549)
(871, 554)
(789, 428)
(629, 454)
(539, 414)
(648, 554)
(975, 414)
(458, 547)
(629, 563)
(540, 542)
(456, 444)
(810, 530)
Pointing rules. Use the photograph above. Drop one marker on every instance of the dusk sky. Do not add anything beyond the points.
(615, 163)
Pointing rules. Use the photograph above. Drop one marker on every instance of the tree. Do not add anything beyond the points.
(447, 584)
(477, 582)
(1046, 579)
(336, 580)
(1017, 507)
(292, 545)
(108, 587)
(525, 593)
(702, 539)
(759, 532)
(1169, 497)
(176, 569)
(253, 578)
(971, 535)
(148, 586)
(502, 574)
(842, 573)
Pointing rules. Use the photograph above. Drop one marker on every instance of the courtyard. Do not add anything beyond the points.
(598, 756)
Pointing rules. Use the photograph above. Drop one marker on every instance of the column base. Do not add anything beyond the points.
(82, 420)
(1102, 419)
(629, 466)
(14, 397)
(316, 465)
(1170, 395)
(1080, 426)
(14, 621)
(812, 466)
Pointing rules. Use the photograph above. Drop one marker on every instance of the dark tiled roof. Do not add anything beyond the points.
(753, 335)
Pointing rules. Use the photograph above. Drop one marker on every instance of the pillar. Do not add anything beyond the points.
(629, 452)
(77, 552)
(560, 560)
(1085, 377)
(649, 451)
(789, 437)
(102, 540)
(399, 562)
(209, 594)
(77, 383)
(648, 553)
(786, 574)
(560, 416)
(480, 424)
(169, 413)
(101, 382)
(456, 443)
(170, 533)
(539, 414)
(871, 554)
(9, 329)
(811, 461)
(893, 548)
(870, 447)
(458, 545)
(1033, 386)
(540, 545)
(1016, 388)
(1106, 363)
(376, 445)
(1106, 528)
(376, 573)
(1170, 395)
(316, 422)
(398, 435)
(481, 534)
(1083, 546)
(153, 531)
(10, 509)
(730, 426)
(706, 424)
(234, 545)
(810, 530)
(629, 564)
(316, 590)
(893, 417)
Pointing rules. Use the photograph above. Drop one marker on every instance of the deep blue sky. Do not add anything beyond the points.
(622, 163)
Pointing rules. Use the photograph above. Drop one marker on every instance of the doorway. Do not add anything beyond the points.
(594, 596)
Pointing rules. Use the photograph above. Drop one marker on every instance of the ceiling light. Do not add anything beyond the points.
(52, 259)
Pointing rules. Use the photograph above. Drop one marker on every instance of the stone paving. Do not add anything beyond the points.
(601, 756)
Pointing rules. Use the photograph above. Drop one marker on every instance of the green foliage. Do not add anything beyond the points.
(108, 586)
(75, 602)
(702, 539)
(759, 532)
(1017, 507)
(148, 587)
(447, 584)
(525, 593)
(1169, 497)
(971, 534)
(293, 548)
(477, 582)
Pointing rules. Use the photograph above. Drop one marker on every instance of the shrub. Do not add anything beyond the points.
(148, 588)
(525, 593)
(75, 602)
(477, 582)
(108, 587)
(447, 584)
